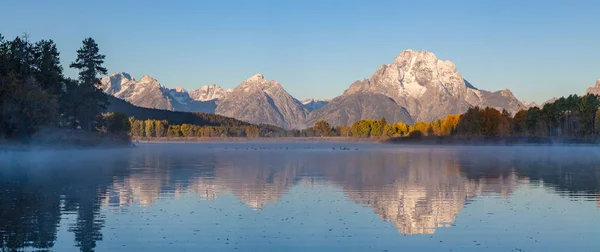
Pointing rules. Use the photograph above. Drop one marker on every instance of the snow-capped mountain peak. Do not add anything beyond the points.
(147, 78)
(181, 90)
(116, 83)
(208, 93)
(258, 82)
(528, 104)
(256, 77)
(309, 100)
(313, 103)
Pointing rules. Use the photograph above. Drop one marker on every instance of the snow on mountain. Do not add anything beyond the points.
(313, 104)
(429, 88)
(258, 100)
(149, 93)
(208, 93)
(416, 86)
(528, 104)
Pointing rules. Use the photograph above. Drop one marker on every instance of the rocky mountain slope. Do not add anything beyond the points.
(528, 104)
(596, 89)
(258, 100)
(416, 86)
(347, 109)
(429, 88)
(503, 99)
(208, 93)
(149, 93)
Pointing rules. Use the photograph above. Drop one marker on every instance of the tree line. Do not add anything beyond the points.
(35, 94)
(573, 116)
(162, 128)
(150, 128)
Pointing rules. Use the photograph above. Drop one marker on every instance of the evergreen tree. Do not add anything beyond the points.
(49, 72)
(20, 58)
(92, 101)
(69, 103)
(3, 56)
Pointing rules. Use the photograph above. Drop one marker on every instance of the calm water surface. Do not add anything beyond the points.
(301, 197)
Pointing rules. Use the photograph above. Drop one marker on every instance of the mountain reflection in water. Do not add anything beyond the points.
(419, 189)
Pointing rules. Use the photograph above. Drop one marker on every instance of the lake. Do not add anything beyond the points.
(304, 196)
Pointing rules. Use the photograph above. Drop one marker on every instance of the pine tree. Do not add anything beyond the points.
(20, 57)
(92, 100)
(49, 72)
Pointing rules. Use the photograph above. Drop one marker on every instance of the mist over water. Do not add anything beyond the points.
(301, 197)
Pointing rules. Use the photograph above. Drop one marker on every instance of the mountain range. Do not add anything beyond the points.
(416, 86)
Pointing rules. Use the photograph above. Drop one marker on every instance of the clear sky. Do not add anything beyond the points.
(538, 49)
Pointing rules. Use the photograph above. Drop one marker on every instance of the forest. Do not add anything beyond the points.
(568, 117)
(39, 105)
(38, 102)
(574, 117)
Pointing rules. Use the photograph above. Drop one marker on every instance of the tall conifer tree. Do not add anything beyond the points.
(92, 101)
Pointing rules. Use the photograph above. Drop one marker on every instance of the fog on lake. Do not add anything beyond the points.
(304, 196)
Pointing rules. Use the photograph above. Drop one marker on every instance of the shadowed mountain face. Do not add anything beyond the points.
(419, 190)
(347, 109)
(314, 104)
(499, 100)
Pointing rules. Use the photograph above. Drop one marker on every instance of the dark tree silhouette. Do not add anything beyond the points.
(91, 100)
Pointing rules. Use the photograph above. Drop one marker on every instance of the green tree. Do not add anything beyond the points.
(93, 101)
(26, 108)
(587, 108)
(532, 121)
(117, 123)
(519, 126)
(597, 123)
(47, 66)
(69, 103)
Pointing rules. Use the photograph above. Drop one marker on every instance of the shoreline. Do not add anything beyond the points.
(245, 139)
(492, 141)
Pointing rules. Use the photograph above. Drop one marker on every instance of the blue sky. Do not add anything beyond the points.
(538, 49)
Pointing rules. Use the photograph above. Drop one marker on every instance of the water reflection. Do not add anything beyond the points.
(419, 190)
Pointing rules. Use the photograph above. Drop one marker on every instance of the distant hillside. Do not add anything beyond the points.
(174, 117)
